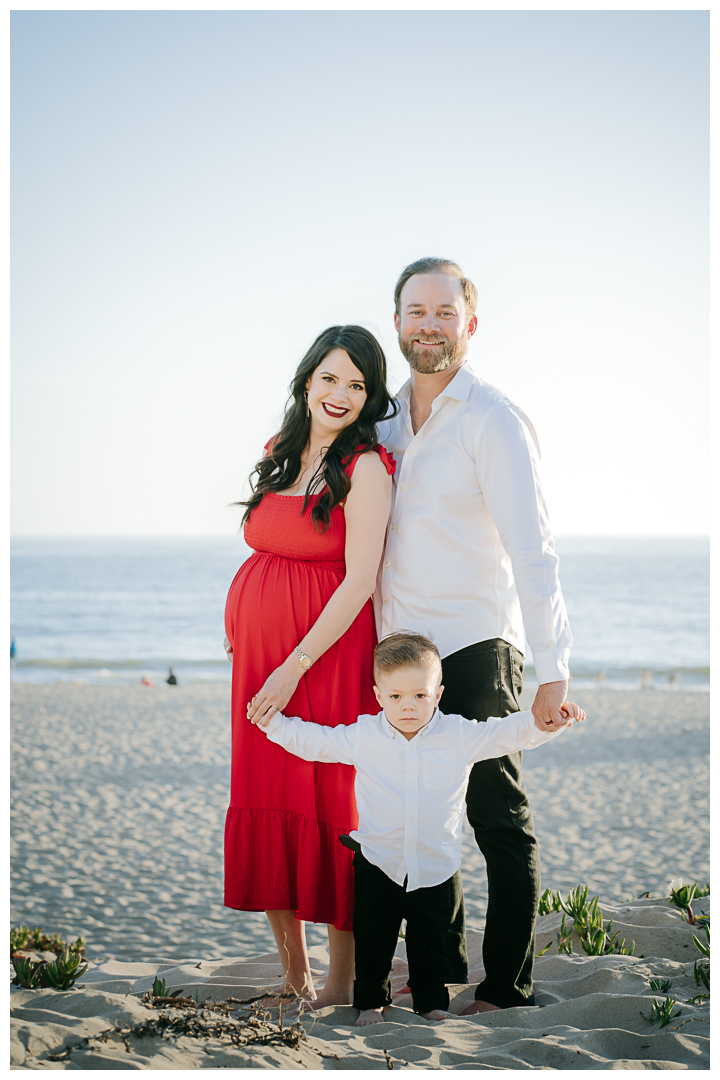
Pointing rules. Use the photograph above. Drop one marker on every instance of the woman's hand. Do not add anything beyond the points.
(228, 649)
(278, 689)
(263, 721)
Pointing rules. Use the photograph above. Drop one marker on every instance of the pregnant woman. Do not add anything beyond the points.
(300, 633)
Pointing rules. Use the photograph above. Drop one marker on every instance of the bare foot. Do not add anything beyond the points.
(371, 1016)
(324, 999)
(437, 1014)
(479, 1007)
(289, 1000)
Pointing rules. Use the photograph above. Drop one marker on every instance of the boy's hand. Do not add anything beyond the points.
(569, 712)
(264, 720)
(572, 712)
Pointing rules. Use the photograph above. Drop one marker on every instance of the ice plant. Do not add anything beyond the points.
(662, 1013)
(682, 893)
(702, 967)
(63, 973)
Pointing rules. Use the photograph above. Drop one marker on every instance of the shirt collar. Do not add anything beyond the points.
(428, 727)
(458, 388)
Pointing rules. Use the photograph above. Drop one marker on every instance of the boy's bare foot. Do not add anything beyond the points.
(371, 1016)
(437, 1014)
(479, 1007)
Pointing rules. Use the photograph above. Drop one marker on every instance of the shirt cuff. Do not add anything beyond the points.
(534, 735)
(552, 665)
(276, 722)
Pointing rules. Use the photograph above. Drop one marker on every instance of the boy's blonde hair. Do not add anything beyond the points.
(404, 649)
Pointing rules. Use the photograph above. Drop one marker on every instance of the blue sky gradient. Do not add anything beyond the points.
(196, 195)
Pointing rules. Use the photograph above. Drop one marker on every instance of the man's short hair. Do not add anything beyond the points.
(437, 266)
(404, 649)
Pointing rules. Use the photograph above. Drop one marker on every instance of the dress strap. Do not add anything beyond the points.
(387, 459)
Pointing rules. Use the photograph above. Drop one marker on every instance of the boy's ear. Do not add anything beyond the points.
(377, 695)
(439, 694)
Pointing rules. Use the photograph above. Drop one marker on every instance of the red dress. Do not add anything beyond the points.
(282, 850)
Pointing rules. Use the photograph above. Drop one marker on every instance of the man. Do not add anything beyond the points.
(468, 558)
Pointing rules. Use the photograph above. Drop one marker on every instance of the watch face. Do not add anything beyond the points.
(306, 662)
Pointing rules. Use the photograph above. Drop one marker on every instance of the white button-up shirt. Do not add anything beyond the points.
(469, 554)
(410, 793)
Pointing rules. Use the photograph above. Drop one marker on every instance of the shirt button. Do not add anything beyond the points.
(386, 601)
(386, 565)
(392, 526)
(411, 818)
(402, 488)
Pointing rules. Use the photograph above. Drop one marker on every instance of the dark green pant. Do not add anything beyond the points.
(485, 680)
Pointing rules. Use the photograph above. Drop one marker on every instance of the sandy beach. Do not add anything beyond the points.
(119, 795)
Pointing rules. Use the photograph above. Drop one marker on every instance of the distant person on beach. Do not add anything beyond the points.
(171, 679)
(412, 765)
(468, 559)
(301, 632)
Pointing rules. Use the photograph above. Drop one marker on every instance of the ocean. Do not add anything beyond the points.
(117, 610)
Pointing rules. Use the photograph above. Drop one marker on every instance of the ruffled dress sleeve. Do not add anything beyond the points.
(387, 459)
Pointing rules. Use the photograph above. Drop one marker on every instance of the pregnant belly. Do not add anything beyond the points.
(279, 598)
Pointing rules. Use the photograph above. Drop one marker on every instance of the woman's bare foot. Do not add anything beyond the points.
(330, 997)
(479, 1007)
(289, 1000)
(437, 1014)
(371, 1016)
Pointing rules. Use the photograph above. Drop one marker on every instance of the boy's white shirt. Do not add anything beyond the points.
(410, 793)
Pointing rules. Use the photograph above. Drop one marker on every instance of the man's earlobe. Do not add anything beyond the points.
(396, 320)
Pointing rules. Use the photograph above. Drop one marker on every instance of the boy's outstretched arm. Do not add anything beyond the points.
(310, 741)
(517, 731)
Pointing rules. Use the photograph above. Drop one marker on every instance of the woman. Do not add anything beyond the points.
(300, 630)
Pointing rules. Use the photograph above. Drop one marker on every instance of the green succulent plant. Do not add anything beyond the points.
(662, 1012)
(63, 973)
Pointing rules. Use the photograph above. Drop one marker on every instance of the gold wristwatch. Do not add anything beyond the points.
(304, 659)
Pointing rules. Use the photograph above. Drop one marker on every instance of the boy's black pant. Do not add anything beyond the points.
(435, 937)
(480, 681)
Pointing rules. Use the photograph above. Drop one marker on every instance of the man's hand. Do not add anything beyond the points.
(548, 702)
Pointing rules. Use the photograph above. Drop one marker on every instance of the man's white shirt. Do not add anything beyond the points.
(410, 793)
(469, 553)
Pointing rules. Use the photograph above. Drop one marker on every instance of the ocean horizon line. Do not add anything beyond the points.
(235, 535)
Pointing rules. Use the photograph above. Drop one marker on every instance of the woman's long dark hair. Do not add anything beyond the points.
(281, 467)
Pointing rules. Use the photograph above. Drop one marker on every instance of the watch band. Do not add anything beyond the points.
(304, 659)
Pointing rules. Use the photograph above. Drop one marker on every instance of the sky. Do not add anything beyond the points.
(197, 195)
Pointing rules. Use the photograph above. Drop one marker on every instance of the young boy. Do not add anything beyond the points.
(412, 764)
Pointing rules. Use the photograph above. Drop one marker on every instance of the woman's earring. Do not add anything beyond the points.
(307, 404)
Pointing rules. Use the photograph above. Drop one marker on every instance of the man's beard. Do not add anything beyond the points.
(428, 362)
